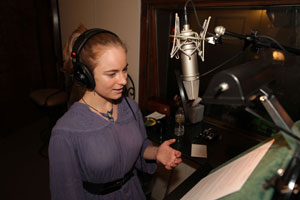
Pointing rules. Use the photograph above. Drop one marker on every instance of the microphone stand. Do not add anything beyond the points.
(182, 96)
(255, 39)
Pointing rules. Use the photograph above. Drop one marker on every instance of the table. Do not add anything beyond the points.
(228, 143)
(278, 156)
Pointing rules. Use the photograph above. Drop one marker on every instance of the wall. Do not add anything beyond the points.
(121, 17)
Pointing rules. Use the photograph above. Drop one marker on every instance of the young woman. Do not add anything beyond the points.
(96, 147)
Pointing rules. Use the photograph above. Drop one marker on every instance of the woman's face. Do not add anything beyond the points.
(110, 73)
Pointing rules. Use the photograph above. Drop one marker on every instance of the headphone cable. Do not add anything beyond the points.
(169, 183)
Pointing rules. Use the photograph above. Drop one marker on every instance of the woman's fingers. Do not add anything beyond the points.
(178, 160)
(171, 156)
(168, 167)
(169, 142)
(178, 154)
(173, 163)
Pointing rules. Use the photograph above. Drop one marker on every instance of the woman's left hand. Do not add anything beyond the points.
(168, 156)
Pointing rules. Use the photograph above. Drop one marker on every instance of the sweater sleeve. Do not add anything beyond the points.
(65, 179)
(148, 166)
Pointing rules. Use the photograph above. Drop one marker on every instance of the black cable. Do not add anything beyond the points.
(272, 124)
(239, 53)
(229, 38)
(275, 41)
(130, 107)
(222, 64)
(198, 22)
(195, 12)
(196, 16)
(185, 12)
(141, 161)
(140, 153)
(169, 183)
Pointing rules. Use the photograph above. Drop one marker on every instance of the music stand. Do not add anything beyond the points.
(242, 84)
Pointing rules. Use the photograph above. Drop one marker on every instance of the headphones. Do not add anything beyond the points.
(81, 72)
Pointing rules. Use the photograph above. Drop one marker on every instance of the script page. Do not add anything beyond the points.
(229, 178)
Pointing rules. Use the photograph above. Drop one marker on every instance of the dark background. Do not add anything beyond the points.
(28, 59)
(30, 55)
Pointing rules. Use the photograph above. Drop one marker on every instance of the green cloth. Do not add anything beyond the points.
(278, 156)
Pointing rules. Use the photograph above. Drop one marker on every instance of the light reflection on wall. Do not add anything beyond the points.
(278, 56)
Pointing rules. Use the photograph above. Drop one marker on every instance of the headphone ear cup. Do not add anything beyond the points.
(80, 72)
(84, 76)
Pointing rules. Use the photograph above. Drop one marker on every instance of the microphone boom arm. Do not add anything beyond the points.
(256, 40)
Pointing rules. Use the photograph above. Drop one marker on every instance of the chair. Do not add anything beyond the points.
(130, 88)
(53, 102)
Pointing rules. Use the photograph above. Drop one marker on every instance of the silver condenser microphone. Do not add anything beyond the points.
(190, 45)
(189, 65)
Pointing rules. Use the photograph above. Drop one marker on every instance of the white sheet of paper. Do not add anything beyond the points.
(229, 178)
(156, 115)
(199, 150)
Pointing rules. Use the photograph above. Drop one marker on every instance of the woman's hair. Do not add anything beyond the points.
(93, 48)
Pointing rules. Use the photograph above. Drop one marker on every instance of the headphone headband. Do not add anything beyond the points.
(82, 40)
(81, 72)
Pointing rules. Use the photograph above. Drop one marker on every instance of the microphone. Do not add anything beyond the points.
(189, 44)
(189, 65)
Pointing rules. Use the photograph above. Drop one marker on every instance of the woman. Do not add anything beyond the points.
(96, 147)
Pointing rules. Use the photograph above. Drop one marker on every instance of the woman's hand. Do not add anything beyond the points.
(168, 156)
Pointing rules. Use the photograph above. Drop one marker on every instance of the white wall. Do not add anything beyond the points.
(119, 16)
